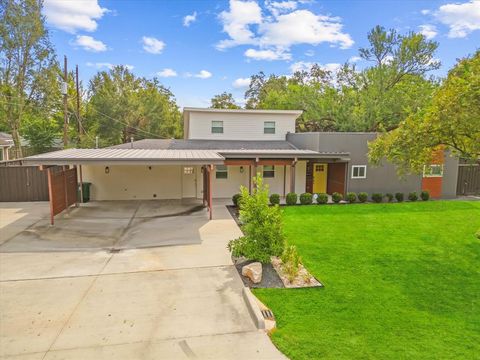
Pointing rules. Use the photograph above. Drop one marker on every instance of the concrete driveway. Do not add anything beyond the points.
(123, 280)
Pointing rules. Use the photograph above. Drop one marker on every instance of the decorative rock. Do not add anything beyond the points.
(253, 271)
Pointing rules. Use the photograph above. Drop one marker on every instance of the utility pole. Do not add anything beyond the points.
(65, 108)
(79, 120)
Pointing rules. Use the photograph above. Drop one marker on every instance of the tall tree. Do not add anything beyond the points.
(28, 70)
(452, 120)
(224, 101)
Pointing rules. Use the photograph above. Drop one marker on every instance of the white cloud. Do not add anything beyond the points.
(306, 66)
(309, 53)
(429, 31)
(88, 43)
(268, 55)
(462, 19)
(203, 74)
(187, 20)
(167, 73)
(276, 33)
(107, 65)
(354, 59)
(73, 15)
(152, 45)
(425, 12)
(241, 83)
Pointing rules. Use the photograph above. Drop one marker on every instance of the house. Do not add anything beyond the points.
(6, 142)
(224, 149)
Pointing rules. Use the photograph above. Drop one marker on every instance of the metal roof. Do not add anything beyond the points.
(176, 144)
(126, 157)
(293, 153)
(243, 111)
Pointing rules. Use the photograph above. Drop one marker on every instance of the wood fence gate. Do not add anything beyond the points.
(62, 186)
(23, 183)
(468, 181)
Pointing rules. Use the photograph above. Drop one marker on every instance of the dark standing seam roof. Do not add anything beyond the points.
(174, 144)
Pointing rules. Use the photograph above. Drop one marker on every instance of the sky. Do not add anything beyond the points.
(201, 48)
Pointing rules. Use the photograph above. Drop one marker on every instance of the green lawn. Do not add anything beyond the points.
(402, 281)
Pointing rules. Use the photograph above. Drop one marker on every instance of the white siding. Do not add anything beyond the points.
(240, 126)
(127, 182)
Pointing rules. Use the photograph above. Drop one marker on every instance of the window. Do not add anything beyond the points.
(217, 127)
(188, 170)
(269, 127)
(359, 171)
(221, 172)
(268, 171)
(432, 170)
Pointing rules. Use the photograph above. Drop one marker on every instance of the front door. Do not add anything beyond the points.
(189, 182)
(320, 178)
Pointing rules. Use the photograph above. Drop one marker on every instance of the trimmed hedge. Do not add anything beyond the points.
(389, 197)
(362, 197)
(337, 197)
(351, 197)
(425, 195)
(399, 197)
(236, 199)
(306, 199)
(275, 199)
(291, 199)
(322, 198)
(377, 197)
(413, 196)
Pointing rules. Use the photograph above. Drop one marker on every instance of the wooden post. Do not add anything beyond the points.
(50, 194)
(292, 176)
(284, 179)
(250, 179)
(81, 182)
(255, 172)
(210, 167)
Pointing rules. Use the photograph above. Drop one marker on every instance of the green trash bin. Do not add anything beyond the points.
(86, 191)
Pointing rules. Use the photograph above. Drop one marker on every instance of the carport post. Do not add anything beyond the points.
(50, 194)
(81, 182)
(210, 170)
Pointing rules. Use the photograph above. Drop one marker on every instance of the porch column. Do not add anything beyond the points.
(284, 179)
(50, 194)
(81, 182)
(250, 179)
(210, 170)
(292, 175)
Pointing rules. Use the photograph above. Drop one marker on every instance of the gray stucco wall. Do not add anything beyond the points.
(382, 179)
(450, 177)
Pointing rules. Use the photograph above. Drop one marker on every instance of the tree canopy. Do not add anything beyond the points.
(224, 101)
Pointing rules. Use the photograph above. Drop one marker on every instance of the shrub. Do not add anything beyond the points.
(336, 197)
(362, 197)
(322, 198)
(425, 195)
(351, 197)
(389, 197)
(377, 197)
(291, 199)
(291, 262)
(236, 199)
(274, 199)
(477, 234)
(262, 226)
(413, 196)
(306, 199)
(399, 197)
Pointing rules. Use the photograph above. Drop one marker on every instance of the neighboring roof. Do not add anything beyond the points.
(174, 144)
(126, 157)
(6, 139)
(243, 111)
(294, 153)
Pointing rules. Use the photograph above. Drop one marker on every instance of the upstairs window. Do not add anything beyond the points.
(269, 127)
(221, 172)
(217, 127)
(359, 171)
(268, 171)
(433, 170)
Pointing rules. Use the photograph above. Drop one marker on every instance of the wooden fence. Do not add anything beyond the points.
(23, 183)
(468, 182)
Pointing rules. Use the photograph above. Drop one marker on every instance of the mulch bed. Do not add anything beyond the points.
(270, 278)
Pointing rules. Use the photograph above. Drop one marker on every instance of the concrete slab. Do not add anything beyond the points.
(103, 209)
(155, 208)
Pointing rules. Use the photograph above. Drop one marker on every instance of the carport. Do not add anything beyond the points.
(64, 169)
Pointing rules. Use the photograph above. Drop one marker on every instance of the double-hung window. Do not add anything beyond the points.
(269, 127)
(359, 171)
(435, 170)
(268, 171)
(221, 172)
(217, 127)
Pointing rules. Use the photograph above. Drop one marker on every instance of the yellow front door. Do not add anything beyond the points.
(320, 178)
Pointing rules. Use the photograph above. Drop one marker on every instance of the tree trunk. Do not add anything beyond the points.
(16, 140)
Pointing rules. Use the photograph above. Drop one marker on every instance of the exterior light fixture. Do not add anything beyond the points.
(107, 169)
(242, 169)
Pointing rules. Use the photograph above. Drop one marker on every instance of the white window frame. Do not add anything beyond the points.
(429, 173)
(265, 127)
(188, 170)
(272, 170)
(364, 167)
(221, 169)
(216, 125)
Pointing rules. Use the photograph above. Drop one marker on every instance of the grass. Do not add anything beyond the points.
(402, 281)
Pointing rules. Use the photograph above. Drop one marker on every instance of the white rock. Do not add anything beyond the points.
(253, 271)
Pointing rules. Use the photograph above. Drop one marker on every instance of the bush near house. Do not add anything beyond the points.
(306, 199)
(291, 199)
(275, 199)
(262, 226)
(236, 199)
(425, 195)
(351, 197)
(413, 196)
(389, 197)
(377, 197)
(362, 197)
(322, 198)
(399, 196)
(337, 197)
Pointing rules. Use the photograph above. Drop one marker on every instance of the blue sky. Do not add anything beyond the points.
(201, 48)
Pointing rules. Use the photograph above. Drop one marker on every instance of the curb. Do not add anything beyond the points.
(253, 308)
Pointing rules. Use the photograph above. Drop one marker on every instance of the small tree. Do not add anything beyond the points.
(262, 226)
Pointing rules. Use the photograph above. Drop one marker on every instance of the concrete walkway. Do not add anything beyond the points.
(139, 301)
